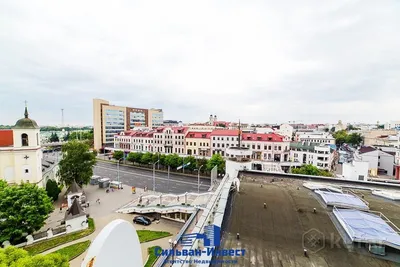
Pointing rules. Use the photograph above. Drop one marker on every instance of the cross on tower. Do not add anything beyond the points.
(26, 157)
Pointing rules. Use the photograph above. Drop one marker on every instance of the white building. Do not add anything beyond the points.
(75, 218)
(315, 137)
(223, 139)
(285, 130)
(380, 162)
(21, 154)
(392, 125)
(319, 155)
(355, 170)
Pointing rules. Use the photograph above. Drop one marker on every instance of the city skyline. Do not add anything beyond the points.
(260, 62)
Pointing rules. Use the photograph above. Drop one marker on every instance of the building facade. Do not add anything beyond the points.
(21, 154)
(380, 162)
(322, 156)
(109, 120)
(315, 137)
(198, 144)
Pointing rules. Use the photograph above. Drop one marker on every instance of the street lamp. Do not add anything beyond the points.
(168, 179)
(172, 244)
(118, 169)
(198, 179)
(154, 175)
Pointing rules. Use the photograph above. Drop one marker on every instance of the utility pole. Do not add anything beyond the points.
(198, 179)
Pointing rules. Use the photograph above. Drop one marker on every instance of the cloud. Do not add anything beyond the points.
(263, 61)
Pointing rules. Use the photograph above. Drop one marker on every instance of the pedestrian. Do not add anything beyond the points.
(88, 204)
(98, 200)
(60, 208)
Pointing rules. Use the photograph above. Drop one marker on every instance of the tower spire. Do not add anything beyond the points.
(26, 110)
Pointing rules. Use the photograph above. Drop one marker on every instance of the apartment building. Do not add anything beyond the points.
(267, 147)
(222, 139)
(380, 162)
(156, 118)
(319, 155)
(109, 120)
(315, 137)
(198, 143)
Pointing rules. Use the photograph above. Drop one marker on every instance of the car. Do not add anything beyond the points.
(142, 220)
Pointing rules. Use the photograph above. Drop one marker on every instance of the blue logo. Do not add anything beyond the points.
(211, 237)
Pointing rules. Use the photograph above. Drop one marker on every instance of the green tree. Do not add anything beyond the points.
(23, 209)
(173, 160)
(76, 164)
(162, 159)
(52, 189)
(309, 169)
(155, 157)
(146, 158)
(118, 154)
(192, 161)
(17, 257)
(95, 153)
(218, 160)
(135, 157)
(340, 137)
(54, 138)
(221, 125)
(203, 162)
(354, 139)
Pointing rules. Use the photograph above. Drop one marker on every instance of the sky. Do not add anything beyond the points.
(257, 61)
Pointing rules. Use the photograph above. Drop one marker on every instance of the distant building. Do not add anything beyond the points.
(315, 137)
(380, 162)
(355, 170)
(109, 120)
(392, 125)
(21, 154)
(320, 155)
(198, 143)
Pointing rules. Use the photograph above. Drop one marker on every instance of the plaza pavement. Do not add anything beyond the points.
(104, 213)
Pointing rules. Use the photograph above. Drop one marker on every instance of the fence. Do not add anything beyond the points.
(40, 236)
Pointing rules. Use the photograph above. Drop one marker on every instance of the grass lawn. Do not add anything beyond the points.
(152, 256)
(147, 235)
(55, 242)
(74, 250)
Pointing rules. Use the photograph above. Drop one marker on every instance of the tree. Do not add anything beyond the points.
(162, 159)
(95, 153)
(52, 189)
(76, 164)
(155, 157)
(309, 169)
(221, 125)
(203, 162)
(354, 139)
(18, 257)
(23, 209)
(173, 160)
(340, 137)
(54, 138)
(192, 161)
(146, 158)
(118, 154)
(218, 160)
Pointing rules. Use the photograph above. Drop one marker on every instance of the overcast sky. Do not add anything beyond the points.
(260, 61)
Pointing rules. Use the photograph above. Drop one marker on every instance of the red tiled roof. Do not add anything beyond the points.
(183, 129)
(272, 137)
(204, 135)
(6, 138)
(225, 133)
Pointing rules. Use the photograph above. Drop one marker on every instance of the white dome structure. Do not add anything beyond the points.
(116, 245)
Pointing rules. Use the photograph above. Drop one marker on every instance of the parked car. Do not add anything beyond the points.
(142, 220)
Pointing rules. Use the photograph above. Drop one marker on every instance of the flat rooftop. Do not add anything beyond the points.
(277, 235)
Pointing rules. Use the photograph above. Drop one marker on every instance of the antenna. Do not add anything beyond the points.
(62, 118)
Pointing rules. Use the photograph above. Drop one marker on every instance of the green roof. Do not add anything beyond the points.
(26, 123)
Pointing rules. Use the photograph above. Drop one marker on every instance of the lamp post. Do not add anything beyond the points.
(172, 244)
(118, 169)
(154, 175)
(168, 179)
(198, 179)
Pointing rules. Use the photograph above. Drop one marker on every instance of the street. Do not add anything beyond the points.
(140, 178)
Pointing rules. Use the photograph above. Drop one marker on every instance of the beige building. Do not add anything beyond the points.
(109, 120)
(377, 136)
(198, 144)
(21, 154)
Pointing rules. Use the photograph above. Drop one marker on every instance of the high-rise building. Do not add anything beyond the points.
(156, 117)
(109, 120)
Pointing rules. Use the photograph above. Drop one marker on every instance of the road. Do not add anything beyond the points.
(176, 184)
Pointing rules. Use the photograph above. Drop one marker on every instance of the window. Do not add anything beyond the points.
(24, 139)
(218, 138)
(279, 147)
(232, 138)
(213, 144)
(194, 152)
(269, 147)
(265, 147)
(194, 145)
(217, 145)
(361, 177)
(253, 146)
(213, 137)
(26, 171)
(258, 147)
(223, 145)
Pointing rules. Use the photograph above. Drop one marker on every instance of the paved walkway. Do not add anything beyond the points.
(104, 213)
